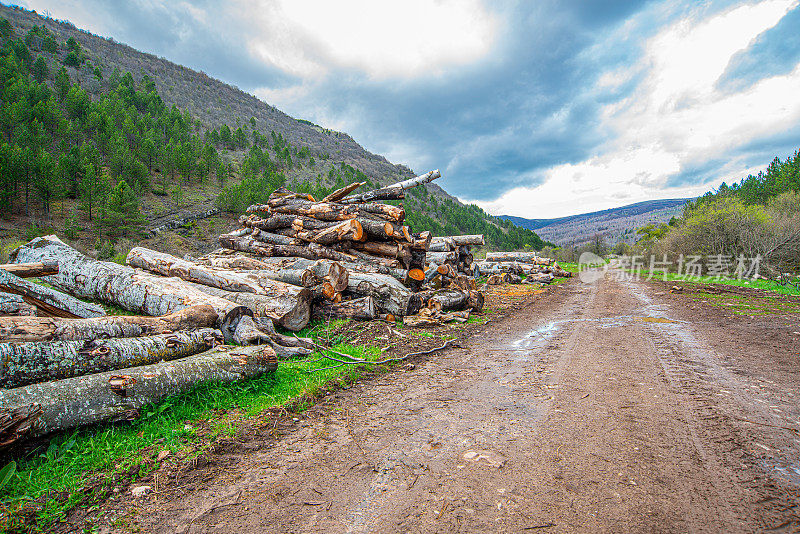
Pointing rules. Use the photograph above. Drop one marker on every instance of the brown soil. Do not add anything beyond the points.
(613, 406)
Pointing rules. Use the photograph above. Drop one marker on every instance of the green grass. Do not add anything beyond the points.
(107, 449)
(569, 267)
(767, 285)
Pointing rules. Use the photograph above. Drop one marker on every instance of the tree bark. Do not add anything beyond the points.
(15, 305)
(311, 251)
(461, 240)
(349, 230)
(116, 395)
(28, 363)
(48, 301)
(289, 300)
(363, 309)
(441, 257)
(26, 329)
(330, 211)
(391, 192)
(389, 250)
(31, 270)
(118, 284)
(274, 239)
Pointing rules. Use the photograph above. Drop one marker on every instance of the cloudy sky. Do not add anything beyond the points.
(538, 109)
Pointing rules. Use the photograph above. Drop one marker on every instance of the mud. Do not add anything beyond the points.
(612, 406)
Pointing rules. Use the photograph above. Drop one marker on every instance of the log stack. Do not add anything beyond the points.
(510, 267)
(456, 251)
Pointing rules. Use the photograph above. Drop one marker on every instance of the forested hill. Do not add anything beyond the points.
(101, 141)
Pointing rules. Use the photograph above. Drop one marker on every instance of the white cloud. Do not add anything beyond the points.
(674, 119)
(386, 39)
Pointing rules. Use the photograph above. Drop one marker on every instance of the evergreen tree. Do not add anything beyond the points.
(40, 70)
(122, 214)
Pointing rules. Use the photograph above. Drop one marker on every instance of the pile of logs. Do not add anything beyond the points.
(455, 251)
(511, 267)
(64, 362)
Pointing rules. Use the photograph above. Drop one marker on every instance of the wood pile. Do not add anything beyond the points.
(64, 362)
(456, 251)
(511, 267)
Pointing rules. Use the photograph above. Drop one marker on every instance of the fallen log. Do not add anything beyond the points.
(26, 329)
(311, 251)
(28, 363)
(117, 284)
(289, 300)
(14, 305)
(393, 191)
(248, 333)
(31, 270)
(262, 305)
(48, 301)
(390, 295)
(363, 309)
(118, 395)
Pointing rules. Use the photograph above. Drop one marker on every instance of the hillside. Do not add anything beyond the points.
(616, 224)
(87, 113)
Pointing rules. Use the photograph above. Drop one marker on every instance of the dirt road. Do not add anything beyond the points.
(600, 407)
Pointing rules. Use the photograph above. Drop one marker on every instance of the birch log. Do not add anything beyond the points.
(11, 304)
(27, 363)
(26, 329)
(391, 191)
(118, 395)
(288, 300)
(48, 301)
(117, 284)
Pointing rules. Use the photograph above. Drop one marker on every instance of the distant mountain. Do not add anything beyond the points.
(615, 224)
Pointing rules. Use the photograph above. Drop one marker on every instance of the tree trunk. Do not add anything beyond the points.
(526, 257)
(28, 363)
(48, 301)
(26, 329)
(388, 250)
(327, 270)
(349, 230)
(461, 240)
(14, 305)
(274, 239)
(441, 257)
(445, 299)
(392, 191)
(30, 270)
(363, 309)
(289, 300)
(439, 245)
(390, 295)
(263, 305)
(311, 251)
(117, 284)
(330, 211)
(118, 395)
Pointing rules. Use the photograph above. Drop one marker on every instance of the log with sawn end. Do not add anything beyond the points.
(363, 308)
(331, 211)
(118, 395)
(23, 329)
(311, 251)
(31, 270)
(27, 363)
(390, 295)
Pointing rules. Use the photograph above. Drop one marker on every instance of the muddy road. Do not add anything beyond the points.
(598, 407)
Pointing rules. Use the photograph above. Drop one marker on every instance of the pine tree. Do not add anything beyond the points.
(40, 70)
(122, 211)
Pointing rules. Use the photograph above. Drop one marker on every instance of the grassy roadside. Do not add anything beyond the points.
(47, 483)
(767, 285)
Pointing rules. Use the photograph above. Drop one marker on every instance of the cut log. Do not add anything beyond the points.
(288, 300)
(28, 363)
(48, 301)
(330, 211)
(263, 305)
(26, 329)
(343, 192)
(349, 230)
(526, 257)
(328, 270)
(116, 395)
(312, 251)
(270, 238)
(441, 257)
(363, 309)
(248, 333)
(391, 192)
(475, 301)
(30, 270)
(462, 240)
(14, 305)
(390, 295)
(117, 284)
(389, 250)
(447, 299)
(439, 245)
